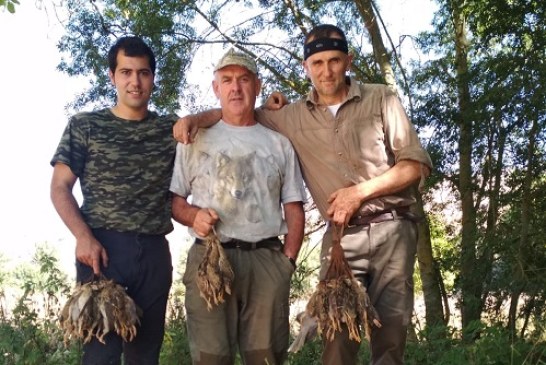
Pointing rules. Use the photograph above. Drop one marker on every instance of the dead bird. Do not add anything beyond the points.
(214, 274)
(341, 298)
(96, 308)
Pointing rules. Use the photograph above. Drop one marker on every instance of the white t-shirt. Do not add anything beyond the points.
(244, 174)
(334, 108)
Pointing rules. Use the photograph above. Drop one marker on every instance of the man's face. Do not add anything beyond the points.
(133, 80)
(327, 70)
(236, 87)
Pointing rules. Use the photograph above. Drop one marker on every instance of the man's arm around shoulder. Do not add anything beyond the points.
(185, 129)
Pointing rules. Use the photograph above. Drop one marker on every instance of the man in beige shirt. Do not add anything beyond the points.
(360, 158)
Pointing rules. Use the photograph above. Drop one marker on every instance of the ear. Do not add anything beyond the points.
(349, 62)
(222, 159)
(258, 86)
(305, 67)
(216, 89)
(112, 78)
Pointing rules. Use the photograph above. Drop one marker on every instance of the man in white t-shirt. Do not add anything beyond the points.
(245, 181)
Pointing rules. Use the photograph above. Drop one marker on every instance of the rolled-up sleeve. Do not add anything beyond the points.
(400, 133)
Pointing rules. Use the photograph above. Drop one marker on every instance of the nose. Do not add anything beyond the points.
(135, 78)
(236, 86)
(328, 69)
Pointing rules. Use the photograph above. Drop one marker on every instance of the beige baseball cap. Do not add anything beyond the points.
(233, 57)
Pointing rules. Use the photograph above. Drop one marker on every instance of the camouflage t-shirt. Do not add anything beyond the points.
(124, 168)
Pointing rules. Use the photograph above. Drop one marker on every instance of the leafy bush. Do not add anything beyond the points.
(30, 335)
(494, 346)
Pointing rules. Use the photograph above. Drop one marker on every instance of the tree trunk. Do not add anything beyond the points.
(470, 283)
(495, 171)
(428, 272)
(365, 8)
(526, 206)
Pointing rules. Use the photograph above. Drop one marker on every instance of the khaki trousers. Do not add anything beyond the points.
(382, 255)
(253, 319)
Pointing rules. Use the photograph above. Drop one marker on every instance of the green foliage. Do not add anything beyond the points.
(303, 280)
(444, 250)
(9, 5)
(30, 336)
(3, 286)
(311, 354)
(504, 121)
(494, 346)
(179, 30)
(175, 348)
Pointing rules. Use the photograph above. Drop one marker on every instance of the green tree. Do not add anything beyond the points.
(480, 95)
(9, 5)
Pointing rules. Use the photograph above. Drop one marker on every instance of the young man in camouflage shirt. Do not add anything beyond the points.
(123, 157)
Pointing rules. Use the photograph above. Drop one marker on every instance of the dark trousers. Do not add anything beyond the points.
(142, 264)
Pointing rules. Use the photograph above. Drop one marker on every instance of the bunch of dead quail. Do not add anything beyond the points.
(341, 298)
(214, 274)
(96, 308)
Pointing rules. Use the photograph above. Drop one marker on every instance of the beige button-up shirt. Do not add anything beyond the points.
(369, 134)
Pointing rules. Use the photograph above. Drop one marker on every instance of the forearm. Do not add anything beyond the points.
(201, 220)
(295, 220)
(182, 211)
(67, 207)
(185, 129)
(397, 178)
(207, 118)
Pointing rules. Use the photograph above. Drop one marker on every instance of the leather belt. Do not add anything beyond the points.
(388, 215)
(271, 243)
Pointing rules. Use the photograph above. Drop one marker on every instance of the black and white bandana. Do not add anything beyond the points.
(324, 44)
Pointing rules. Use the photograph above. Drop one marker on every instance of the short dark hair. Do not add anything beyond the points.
(324, 31)
(132, 46)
